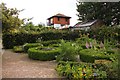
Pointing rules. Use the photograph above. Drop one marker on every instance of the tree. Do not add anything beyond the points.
(10, 20)
(105, 11)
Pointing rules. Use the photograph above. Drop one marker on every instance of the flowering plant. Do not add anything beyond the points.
(87, 45)
(80, 71)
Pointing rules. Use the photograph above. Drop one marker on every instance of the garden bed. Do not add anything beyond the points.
(43, 53)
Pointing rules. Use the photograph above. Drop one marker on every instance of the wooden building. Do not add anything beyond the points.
(58, 21)
(88, 25)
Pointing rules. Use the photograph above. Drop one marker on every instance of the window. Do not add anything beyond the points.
(66, 20)
(58, 19)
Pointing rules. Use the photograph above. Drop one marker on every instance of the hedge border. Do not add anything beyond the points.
(42, 55)
(30, 45)
(18, 49)
(86, 56)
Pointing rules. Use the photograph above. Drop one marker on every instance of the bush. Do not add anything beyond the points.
(111, 68)
(55, 45)
(43, 53)
(14, 39)
(50, 42)
(90, 55)
(106, 32)
(69, 51)
(30, 45)
(77, 71)
(18, 49)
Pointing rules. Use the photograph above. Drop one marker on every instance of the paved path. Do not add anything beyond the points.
(0, 56)
(18, 65)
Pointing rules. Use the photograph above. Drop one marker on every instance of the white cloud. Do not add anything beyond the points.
(42, 9)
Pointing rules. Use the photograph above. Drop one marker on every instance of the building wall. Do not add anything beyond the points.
(97, 25)
(61, 21)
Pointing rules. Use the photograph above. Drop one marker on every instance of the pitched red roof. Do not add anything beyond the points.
(60, 15)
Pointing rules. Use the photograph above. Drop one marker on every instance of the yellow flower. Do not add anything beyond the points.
(81, 75)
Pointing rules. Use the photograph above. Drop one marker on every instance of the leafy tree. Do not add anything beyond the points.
(105, 11)
(10, 20)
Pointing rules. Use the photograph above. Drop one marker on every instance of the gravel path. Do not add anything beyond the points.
(18, 65)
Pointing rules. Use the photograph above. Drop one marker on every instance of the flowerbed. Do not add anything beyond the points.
(76, 71)
(43, 53)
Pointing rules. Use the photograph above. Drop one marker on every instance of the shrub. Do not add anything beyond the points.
(77, 71)
(90, 55)
(55, 45)
(86, 42)
(43, 53)
(18, 49)
(106, 32)
(14, 39)
(50, 42)
(111, 68)
(83, 39)
(30, 45)
(68, 52)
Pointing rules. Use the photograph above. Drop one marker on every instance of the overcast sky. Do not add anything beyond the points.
(40, 10)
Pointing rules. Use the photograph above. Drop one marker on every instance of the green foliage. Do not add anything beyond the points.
(106, 33)
(58, 34)
(111, 68)
(30, 27)
(10, 20)
(55, 45)
(43, 53)
(15, 39)
(77, 71)
(50, 42)
(20, 38)
(18, 49)
(90, 55)
(69, 51)
(105, 11)
(84, 39)
(31, 45)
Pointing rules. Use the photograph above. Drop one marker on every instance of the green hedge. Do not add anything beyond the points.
(50, 42)
(38, 54)
(90, 55)
(55, 45)
(30, 45)
(18, 49)
(105, 32)
(15, 39)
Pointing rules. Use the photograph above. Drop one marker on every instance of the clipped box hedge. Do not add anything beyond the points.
(50, 42)
(15, 39)
(38, 53)
(30, 45)
(90, 55)
(18, 49)
(55, 45)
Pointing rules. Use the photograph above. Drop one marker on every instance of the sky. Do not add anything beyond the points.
(40, 10)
